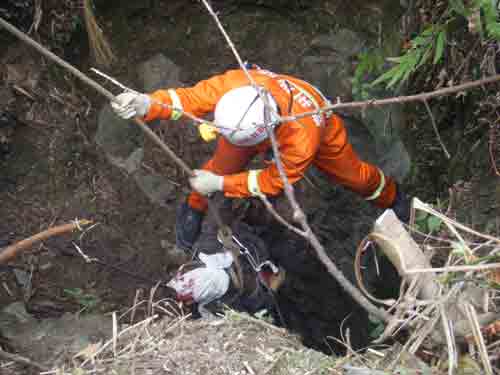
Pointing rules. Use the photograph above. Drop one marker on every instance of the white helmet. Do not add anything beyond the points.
(239, 114)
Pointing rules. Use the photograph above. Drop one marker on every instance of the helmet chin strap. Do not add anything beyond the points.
(244, 115)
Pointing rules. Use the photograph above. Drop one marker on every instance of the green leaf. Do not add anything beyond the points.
(75, 292)
(434, 223)
(440, 43)
(386, 76)
(421, 215)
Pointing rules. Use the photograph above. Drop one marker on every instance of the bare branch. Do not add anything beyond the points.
(434, 125)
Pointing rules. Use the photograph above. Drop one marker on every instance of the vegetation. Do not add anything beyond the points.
(429, 46)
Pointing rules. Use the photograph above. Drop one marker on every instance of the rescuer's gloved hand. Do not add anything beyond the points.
(205, 182)
(402, 206)
(129, 104)
(187, 226)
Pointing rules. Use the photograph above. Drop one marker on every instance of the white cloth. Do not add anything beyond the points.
(205, 284)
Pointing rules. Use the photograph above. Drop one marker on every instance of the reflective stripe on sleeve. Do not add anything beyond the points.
(380, 187)
(253, 183)
(176, 104)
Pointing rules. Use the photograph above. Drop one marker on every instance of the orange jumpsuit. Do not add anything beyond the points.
(320, 140)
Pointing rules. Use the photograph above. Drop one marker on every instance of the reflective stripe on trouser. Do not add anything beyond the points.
(337, 159)
(227, 159)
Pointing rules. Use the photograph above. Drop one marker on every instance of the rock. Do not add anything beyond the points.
(345, 43)
(158, 188)
(328, 63)
(330, 74)
(121, 140)
(51, 340)
(158, 72)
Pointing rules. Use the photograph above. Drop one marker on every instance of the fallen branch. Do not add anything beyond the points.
(23, 360)
(12, 251)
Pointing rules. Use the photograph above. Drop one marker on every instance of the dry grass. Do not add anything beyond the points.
(174, 344)
(101, 50)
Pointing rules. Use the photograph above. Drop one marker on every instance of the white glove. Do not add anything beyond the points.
(205, 182)
(129, 104)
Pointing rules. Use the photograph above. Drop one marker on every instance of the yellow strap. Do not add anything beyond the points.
(253, 183)
(207, 132)
(176, 104)
(380, 187)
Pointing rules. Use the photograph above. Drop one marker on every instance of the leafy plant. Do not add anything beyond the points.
(87, 301)
(431, 41)
(427, 223)
(370, 63)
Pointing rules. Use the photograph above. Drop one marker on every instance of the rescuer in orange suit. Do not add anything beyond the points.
(238, 109)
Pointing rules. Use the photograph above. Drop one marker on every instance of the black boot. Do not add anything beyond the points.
(402, 206)
(187, 226)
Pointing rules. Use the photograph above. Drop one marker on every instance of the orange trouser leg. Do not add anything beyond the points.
(227, 159)
(337, 159)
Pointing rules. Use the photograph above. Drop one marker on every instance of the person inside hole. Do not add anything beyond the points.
(216, 278)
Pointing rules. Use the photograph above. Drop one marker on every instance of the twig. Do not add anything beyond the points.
(12, 251)
(492, 146)
(478, 337)
(434, 125)
(454, 268)
(418, 204)
(23, 360)
(109, 342)
(450, 341)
